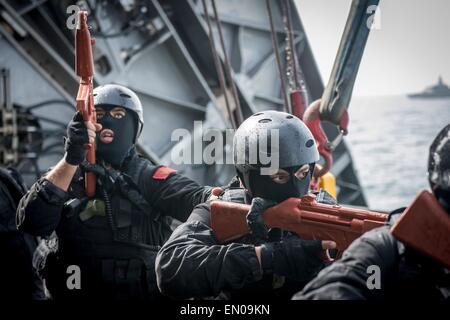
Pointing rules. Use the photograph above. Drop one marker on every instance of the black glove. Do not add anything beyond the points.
(293, 258)
(77, 137)
(255, 219)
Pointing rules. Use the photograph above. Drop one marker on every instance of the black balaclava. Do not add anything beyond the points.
(263, 186)
(124, 134)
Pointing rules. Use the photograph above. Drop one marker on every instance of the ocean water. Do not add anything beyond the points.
(389, 138)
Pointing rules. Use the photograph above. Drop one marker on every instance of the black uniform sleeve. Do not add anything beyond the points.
(175, 195)
(193, 264)
(347, 278)
(39, 211)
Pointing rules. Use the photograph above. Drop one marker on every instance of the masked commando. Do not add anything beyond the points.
(404, 273)
(268, 263)
(113, 238)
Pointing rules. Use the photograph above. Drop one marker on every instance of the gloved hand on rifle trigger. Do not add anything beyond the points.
(79, 134)
(255, 219)
(294, 258)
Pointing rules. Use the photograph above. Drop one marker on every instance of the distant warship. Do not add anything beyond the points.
(440, 90)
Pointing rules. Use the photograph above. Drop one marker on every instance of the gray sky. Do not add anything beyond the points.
(407, 54)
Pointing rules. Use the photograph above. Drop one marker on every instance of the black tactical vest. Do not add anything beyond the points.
(115, 246)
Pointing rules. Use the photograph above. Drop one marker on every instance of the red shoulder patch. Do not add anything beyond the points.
(162, 173)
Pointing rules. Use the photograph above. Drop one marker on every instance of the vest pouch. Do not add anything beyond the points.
(123, 219)
(152, 287)
(73, 207)
(130, 279)
(123, 277)
(81, 215)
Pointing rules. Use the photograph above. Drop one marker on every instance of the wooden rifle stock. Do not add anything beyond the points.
(425, 227)
(305, 217)
(84, 65)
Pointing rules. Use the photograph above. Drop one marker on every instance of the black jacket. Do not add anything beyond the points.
(17, 277)
(192, 263)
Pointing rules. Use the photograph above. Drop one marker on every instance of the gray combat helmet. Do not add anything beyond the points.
(296, 145)
(117, 95)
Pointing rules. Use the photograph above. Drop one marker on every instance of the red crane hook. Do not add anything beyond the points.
(312, 119)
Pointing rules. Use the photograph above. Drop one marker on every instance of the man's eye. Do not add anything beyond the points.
(300, 175)
(280, 178)
(100, 115)
(118, 115)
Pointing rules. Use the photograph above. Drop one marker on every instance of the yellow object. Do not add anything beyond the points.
(93, 208)
(328, 183)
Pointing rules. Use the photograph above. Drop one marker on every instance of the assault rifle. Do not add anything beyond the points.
(303, 216)
(84, 64)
